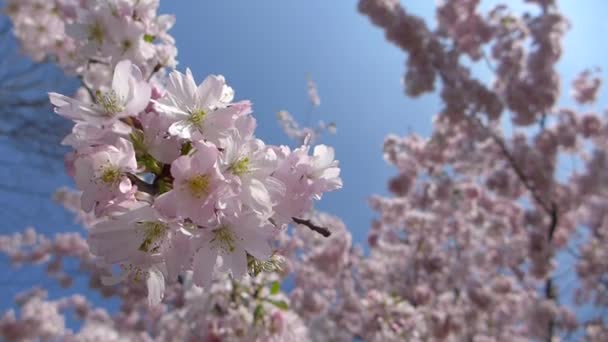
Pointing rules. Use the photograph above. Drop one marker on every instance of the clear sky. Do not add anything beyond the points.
(265, 49)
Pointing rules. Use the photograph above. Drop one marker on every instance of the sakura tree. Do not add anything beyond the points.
(187, 212)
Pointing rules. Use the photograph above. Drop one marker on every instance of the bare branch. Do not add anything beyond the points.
(318, 229)
(142, 185)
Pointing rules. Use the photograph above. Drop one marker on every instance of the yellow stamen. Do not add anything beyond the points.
(199, 185)
(153, 232)
(111, 175)
(96, 33)
(240, 167)
(109, 102)
(197, 117)
(223, 239)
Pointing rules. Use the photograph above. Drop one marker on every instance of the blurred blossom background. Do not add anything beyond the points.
(269, 51)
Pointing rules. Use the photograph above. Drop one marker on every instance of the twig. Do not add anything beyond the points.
(89, 90)
(141, 185)
(156, 69)
(321, 230)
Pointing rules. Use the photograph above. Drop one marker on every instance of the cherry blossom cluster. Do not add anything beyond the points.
(254, 309)
(181, 180)
(470, 246)
(89, 37)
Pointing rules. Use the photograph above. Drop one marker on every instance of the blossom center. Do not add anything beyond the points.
(223, 238)
(153, 231)
(240, 167)
(197, 117)
(198, 185)
(111, 175)
(126, 45)
(96, 33)
(109, 102)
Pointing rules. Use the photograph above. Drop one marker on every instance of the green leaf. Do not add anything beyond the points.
(151, 164)
(164, 185)
(137, 138)
(258, 313)
(281, 304)
(275, 288)
(149, 38)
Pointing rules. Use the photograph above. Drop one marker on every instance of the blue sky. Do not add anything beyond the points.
(265, 49)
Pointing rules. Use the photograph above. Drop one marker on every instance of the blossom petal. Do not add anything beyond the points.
(156, 286)
(203, 266)
(210, 91)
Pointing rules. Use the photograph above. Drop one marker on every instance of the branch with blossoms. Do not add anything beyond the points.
(170, 168)
(177, 187)
(466, 159)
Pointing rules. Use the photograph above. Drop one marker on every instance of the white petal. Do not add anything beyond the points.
(120, 82)
(182, 129)
(156, 286)
(203, 266)
(324, 156)
(236, 262)
(210, 91)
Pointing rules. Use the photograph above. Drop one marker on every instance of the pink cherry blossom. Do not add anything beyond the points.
(202, 109)
(230, 241)
(101, 173)
(128, 96)
(198, 184)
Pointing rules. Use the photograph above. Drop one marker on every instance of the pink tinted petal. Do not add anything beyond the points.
(182, 88)
(236, 262)
(203, 266)
(166, 204)
(177, 254)
(210, 91)
(141, 98)
(190, 85)
(324, 156)
(220, 119)
(182, 129)
(258, 198)
(245, 125)
(156, 286)
(181, 168)
(87, 201)
(122, 76)
(205, 157)
(255, 240)
(125, 185)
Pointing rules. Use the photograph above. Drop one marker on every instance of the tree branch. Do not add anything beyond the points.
(318, 229)
(141, 185)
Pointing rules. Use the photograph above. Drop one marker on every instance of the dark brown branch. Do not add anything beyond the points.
(156, 69)
(142, 185)
(321, 230)
(89, 90)
(522, 176)
(550, 289)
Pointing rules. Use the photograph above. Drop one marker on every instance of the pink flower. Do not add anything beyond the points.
(324, 172)
(128, 96)
(101, 173)
(248, 165)
(225, 247)
(204, 109)
(198, 184)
